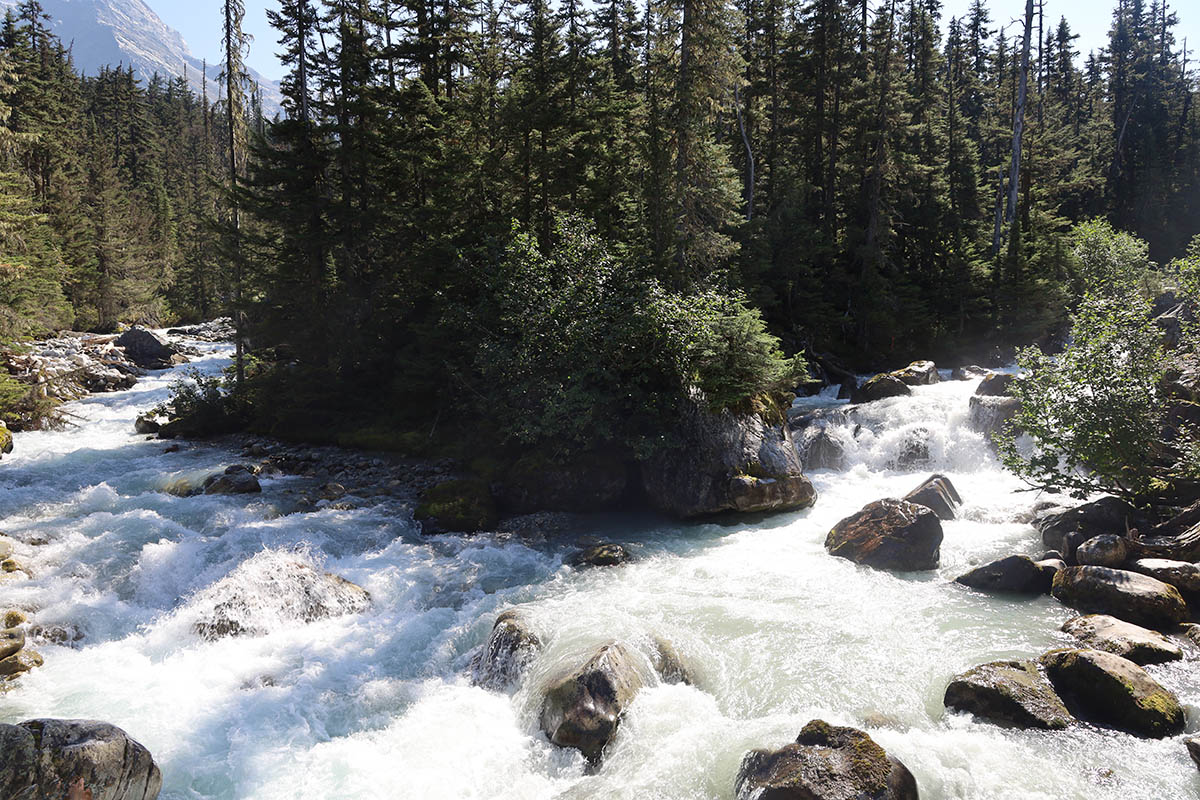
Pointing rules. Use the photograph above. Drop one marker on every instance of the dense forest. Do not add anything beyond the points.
(557, 218)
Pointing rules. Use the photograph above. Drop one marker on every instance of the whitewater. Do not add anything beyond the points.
(378, 704)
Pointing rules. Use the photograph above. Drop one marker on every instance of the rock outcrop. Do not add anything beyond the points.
(825, 762)
(1011, 575)
(1139, 645)
(1011, 693)
(70, 758)
(507, 653)
(583, 707)
(1126, 595)
(937, 493)
(1113, 691)
(889, 534)
(727, 461)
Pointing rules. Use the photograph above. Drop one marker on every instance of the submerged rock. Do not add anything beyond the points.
(889, 534)
(608, 554)
(61, 758)
(270, 591)
(582, 708)
(1010, 692)
(1130, 596)
(937, 493)
(880, 387)
(146, 349)
(1011, 575)
(669, 665)
(1113, 691)
(727, 461)
(506, 655)
(1140, 645)
(1106, 550)
(826, 762)
(232, 482)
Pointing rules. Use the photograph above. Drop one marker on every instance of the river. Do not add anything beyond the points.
(377, 704)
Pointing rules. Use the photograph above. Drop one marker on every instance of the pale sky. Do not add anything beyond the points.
(200, 23)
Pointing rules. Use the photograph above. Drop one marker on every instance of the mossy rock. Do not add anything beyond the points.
(6, 439)
(1011, 693)
(463, 505)
(1113, 691)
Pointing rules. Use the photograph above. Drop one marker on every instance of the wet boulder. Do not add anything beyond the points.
(146, 349)
(232, 481)
(967, 372)
(995, 384)
(1126, 595)
(826, 762)
(1064, 529)
(1139, 645)
(1105, 550)
(146, 424)
(728, 461)
(919, 373)
(608, 554)
(819, 449)
(991, 415)
(11, 641)
(889, 534)
(60, 758)
(1113, 691)
(1012, 693)
(506, 655)
(1183, 575)
(582, 708)
(270, 591)
(880, 387)
(669, 665)
(914, 450)
(937, 493)
(20, 662)
(6, 439)
(1193, 748)
(1011, 575)
(462, 505)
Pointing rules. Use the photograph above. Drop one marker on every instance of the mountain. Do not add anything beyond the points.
(110, 32)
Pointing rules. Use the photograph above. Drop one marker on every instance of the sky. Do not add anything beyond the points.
(200, 23)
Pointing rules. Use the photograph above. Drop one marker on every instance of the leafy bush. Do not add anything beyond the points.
(1095, 412)
(580, 349)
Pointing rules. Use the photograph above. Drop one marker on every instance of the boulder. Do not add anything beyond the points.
(507, 653)
(669, 665)
(462, 505)
(146, 349)
(967, 372)
(1009, 692)
(273, 590)
(582, 708)
(1126, 595)
(1105, 550)
(146, 424)
(995, 384)
(237, 482)
(1011, 575)
(1139, 645)
(6, 439)
(727, 461)
(825, 762)
(1113, 691)
(919, 373)
(936, 493)
(1064, 529)
(880, 387)
(913, 451)
(608, 554)
(991, 415)
(11, 641)
(819, 449)
(61, 758)
(889, 534)
(21, 661)
(1193, 748)
(1183, 575)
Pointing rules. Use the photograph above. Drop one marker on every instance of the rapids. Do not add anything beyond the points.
(377, 704)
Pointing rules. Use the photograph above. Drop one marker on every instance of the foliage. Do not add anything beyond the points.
(1095, 412)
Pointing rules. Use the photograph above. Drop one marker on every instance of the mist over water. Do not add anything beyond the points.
(377, 704)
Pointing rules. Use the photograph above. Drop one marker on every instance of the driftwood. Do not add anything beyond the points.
(1178, 538)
